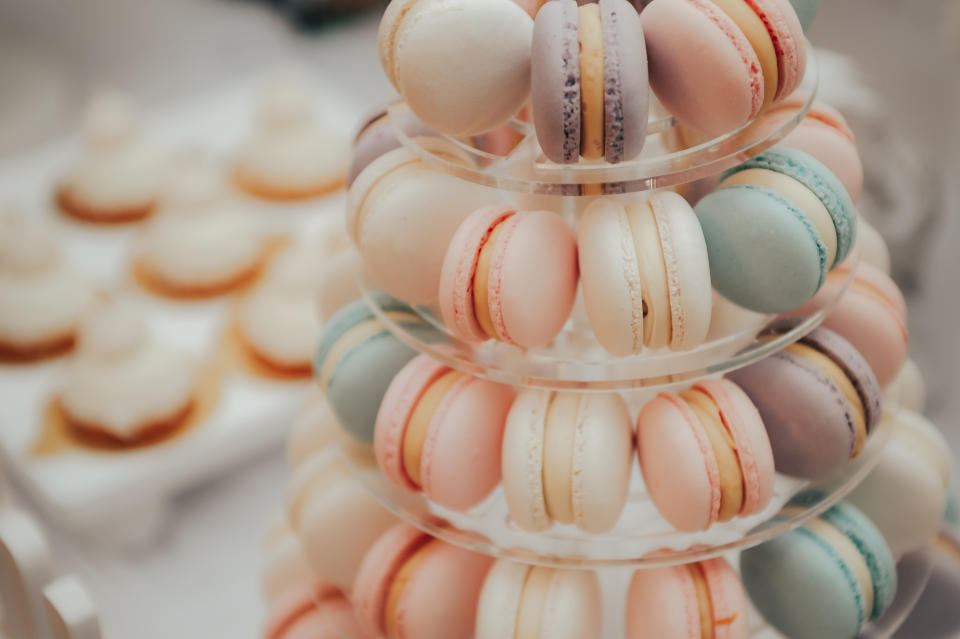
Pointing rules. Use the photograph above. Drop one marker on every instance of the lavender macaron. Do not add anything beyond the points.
(377, 134)
(589, 81)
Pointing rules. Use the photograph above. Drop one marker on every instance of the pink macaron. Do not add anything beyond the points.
(440, 431)
(311, 610)
(693, 601)
(509, 275)
(871, 315)
(705, 455)
(412, 586)
(715, 64)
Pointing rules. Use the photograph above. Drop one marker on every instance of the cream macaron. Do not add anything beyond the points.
(908, 389)
(645, 274)
(338, 283)
(314, 428)
(283, 564)
(567, 459)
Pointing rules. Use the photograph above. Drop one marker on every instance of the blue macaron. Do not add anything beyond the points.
(806, 11)
(358, 357)
(824, 580)
(767, 251)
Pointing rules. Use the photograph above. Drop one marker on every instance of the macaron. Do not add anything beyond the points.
(358, 357)
(870, 246)
(936, 614)
(440, 430)
(645, 273)
(519, 601)
(818, 399)
(825, 579)
(806, 11)
(509, 275)
(402, 214)
(314, 428)
(951, 514)
(413, 586)
(283, 564)
(463, 66)
(871, 315)
(311, 610)
(377, 134)
(335, 517)
(693, 601)
(704, 455)
(589, 81)
(747, 55)
(905, 494)
(567, 459)
(774, 227)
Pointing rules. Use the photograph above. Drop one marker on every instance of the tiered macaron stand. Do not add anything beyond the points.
(575, 361)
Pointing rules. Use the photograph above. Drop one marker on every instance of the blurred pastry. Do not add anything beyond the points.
(203, 241)
(338, 285)
(284, 564)
(291, 155)
(42, 297)
(123, 385)
(314, 428)
(118, 176)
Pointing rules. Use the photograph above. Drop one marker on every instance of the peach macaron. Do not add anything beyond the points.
(311, 610)
(440, 431)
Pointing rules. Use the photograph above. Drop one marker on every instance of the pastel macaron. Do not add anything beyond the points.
(358, 357)
(693, 601)
(413, 586)
(519, 601)
(704, 455)
(589, 81)
(283, 563)
(402, 214)
(825, 579)
(645, 274)
(715, 64)
(806, 11)
(908, 389)
(871, 315)
(314, 428)
(819, 401)
(567, 459)
(311, 610)
(439, 431)
(905, 494)
(463, 66)
(377, 135)
(509, 275)
(774, 227)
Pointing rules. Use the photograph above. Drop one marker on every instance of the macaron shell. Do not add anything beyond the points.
(688, 79)
(522, 460)
(806, 11)
(375, 140)
(500, 600)
(293, 603)
(573, 609)
(375, 574)
(626, 92)
(787, 34)
(662, 604)
(832, 147)
(727, 599)
(555, 81)
(331, 620)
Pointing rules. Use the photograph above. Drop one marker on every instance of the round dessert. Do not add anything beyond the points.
(402, 214)
(567, 459)
(440, 57)
(202, 242)
(358, 357)
(589, 81)
(334, 516)
(908, 390)
(870, 246)
(338, 284)
(42, 296)
(510, 276)
(774, 227)
(806, 11)
(748, 54)
(122, 385)
(825, 579)
(705, 455)
(818, 399)
(646, 278)
(119, 175)
(314, 428)
(936, 615)
(412, 586)
(377, 135)
(699, 600)
(519, 601)
(291, 154)
(284, 565)
(440, 431)
(311, 610)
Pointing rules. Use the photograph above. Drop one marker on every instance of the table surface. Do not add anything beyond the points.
(200, 578)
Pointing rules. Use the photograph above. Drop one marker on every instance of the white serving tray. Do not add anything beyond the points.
(121, 496)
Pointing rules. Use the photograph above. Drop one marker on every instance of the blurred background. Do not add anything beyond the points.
(895, 75)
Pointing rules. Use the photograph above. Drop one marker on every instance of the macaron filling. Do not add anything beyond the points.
(704, 604)
(590, 34)
(560, 429)
(353, 337)
(533, 600)
(654, 288)
(417, 427)
(761, 41)
(413, 556)
(481, 278)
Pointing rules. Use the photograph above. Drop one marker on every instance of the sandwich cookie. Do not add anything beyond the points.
(818, 399)
(377, 135)
(412, 586)
(338, 284)
(589, 81)
(645, 273)
(463, 66)
(440, 431)
(402, 214)
(704, 455)
(825, 579)
(358, 357)
(567, 459)
(747, 55)
(283, 565)
(311, 610)
(908, 390)
(774, 227)
(510, 276)
(870, 246)
(519, 601)
(701, 600)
